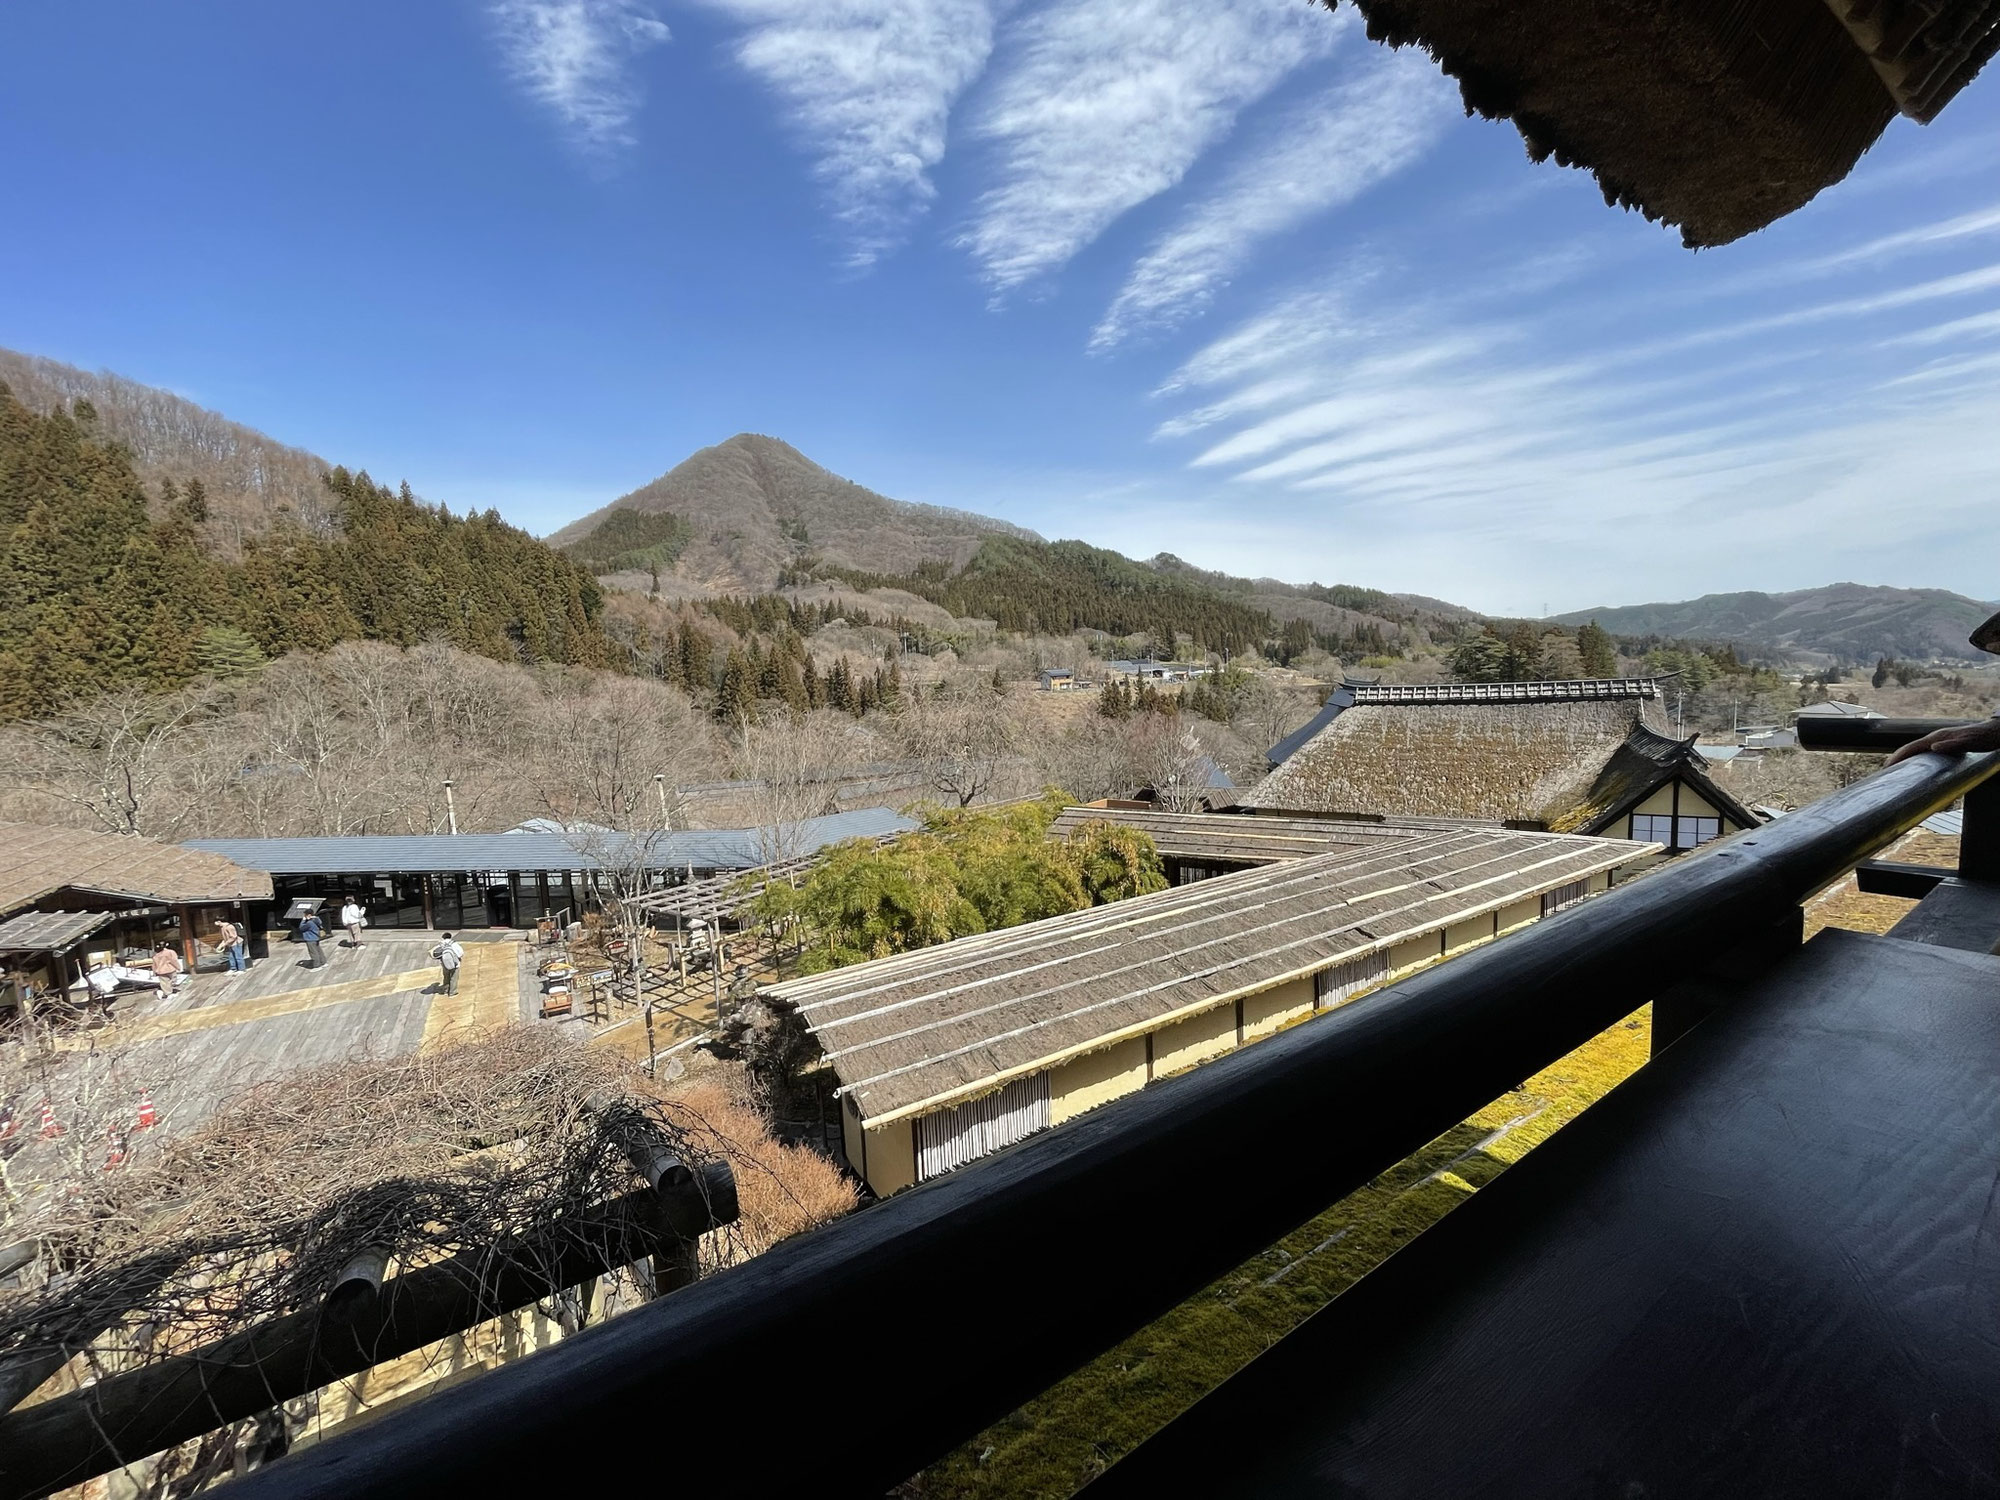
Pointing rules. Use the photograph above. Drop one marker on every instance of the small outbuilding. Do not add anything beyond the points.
(63, 888)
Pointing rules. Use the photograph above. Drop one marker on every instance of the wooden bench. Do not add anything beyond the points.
(1766, 1265)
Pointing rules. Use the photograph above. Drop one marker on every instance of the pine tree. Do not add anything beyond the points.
(1600, 655)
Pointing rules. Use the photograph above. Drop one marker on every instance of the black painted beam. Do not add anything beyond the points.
(1878, 736)
(1963, 914)
(1888, 877)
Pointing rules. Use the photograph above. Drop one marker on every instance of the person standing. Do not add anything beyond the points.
(166, 967)
(449, 956)
(310, 932)
(229, 938)
(353, 918)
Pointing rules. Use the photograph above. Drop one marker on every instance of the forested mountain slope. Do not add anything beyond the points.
(1842, 621)
(105, 585)
(753, 506)
(252, 481)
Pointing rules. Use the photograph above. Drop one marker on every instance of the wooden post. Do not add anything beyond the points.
(1979, 840)
(427, 901)
(186, 914)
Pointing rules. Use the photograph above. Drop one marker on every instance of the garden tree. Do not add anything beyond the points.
(959, 738)
(963, 872)
(1268, 710)
(1090, 759)
(1594, 645)
(1114, 862)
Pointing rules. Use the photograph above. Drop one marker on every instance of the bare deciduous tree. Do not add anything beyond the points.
(962, 739)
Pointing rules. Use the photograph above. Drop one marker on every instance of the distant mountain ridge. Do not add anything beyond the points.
(755, 505)
(252, 480)
(1842, 621)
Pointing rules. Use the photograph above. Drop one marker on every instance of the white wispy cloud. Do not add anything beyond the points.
(1513, 453)
(1099, 105)
(576, 56)
(1314, 158)
(868, 86)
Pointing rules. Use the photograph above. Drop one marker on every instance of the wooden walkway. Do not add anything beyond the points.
(222, 1035)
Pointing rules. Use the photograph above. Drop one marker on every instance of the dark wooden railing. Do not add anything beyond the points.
(845, 1360)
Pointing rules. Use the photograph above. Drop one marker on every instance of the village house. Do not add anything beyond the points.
(1590, 756)
(946, 1054)
(1057, 679)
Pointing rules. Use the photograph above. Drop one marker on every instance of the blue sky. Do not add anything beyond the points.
(1216, 277)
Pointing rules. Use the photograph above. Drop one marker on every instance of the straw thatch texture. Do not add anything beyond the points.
(1718, 116)
(1223, 838)
(37, 862)
(1530, 762)
(1924, 51)
(913, 1033)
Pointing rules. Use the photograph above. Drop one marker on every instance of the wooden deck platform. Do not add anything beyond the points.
(1765, 1266)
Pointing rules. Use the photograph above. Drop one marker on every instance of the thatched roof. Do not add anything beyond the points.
(1718, 116)
(1528, 760)
(1567, 756)
(924, 1030)
(37, 862)
(1232, 839)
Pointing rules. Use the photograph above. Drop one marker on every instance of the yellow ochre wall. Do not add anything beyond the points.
(1096, 1078)
(1520, 914)
(1416, 951)
(892, 1157)
(1195, 1040)
(1693, 804)
(1462, 936)
(1274, 1009)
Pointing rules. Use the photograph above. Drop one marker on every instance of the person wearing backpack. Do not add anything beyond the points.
(449, 956)
(310, 932)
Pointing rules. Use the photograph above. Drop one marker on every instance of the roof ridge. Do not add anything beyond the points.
(1562, 690)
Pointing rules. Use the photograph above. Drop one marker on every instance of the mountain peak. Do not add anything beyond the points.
(754, 505)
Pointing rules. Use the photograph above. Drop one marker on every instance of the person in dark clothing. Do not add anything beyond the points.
(310, 932)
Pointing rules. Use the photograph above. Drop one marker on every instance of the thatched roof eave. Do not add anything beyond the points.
(1717, 116)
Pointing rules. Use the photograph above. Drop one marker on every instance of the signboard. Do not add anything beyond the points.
(603, 976)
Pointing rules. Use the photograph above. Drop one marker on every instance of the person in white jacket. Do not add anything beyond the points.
(353, 918)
